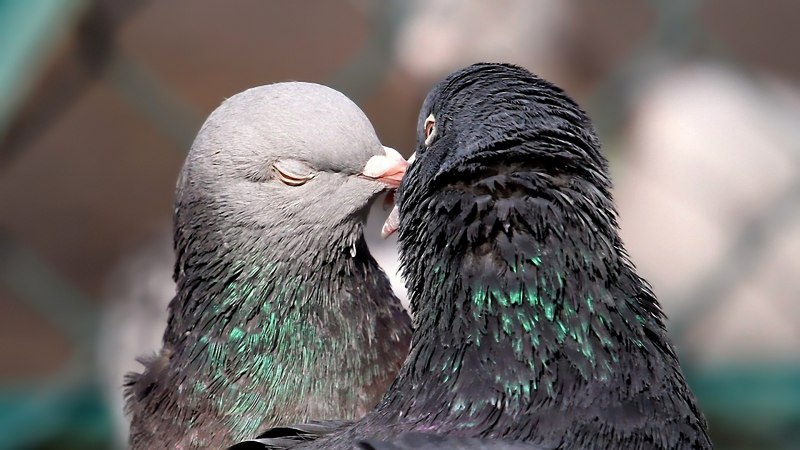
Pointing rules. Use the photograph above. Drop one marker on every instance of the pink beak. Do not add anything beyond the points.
(388, 168)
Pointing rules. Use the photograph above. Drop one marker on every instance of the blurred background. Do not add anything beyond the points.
(697, 103)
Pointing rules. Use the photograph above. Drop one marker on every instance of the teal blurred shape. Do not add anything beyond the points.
(29, 30)
(68, 417)
(753, 406)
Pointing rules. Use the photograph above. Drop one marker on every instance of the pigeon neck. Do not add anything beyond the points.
(524, 302)
(242, 278)
(259, 324)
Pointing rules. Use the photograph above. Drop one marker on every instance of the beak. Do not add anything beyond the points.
(393, 221)
(388, 168)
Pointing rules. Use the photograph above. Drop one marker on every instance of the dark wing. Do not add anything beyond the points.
(428, 441)
(279, 438)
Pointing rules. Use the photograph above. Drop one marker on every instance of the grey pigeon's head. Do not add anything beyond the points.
(292, 159)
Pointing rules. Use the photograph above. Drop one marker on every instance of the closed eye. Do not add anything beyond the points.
(292, 172)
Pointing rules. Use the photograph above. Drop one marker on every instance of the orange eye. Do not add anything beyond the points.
(428, 129)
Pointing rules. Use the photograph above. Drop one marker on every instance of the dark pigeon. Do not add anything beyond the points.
(532, 325)
(281, 313)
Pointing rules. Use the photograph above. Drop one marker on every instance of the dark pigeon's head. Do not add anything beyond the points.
(493, 116)
(292, 159)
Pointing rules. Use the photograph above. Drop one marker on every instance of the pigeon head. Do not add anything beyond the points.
(480, 115)
(292, 158)
(482, 112)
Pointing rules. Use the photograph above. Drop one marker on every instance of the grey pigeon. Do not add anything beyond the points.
(281, 313)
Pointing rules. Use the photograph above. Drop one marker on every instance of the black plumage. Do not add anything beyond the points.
(531, 323)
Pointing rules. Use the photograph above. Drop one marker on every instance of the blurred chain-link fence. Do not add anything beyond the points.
(697, 104)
